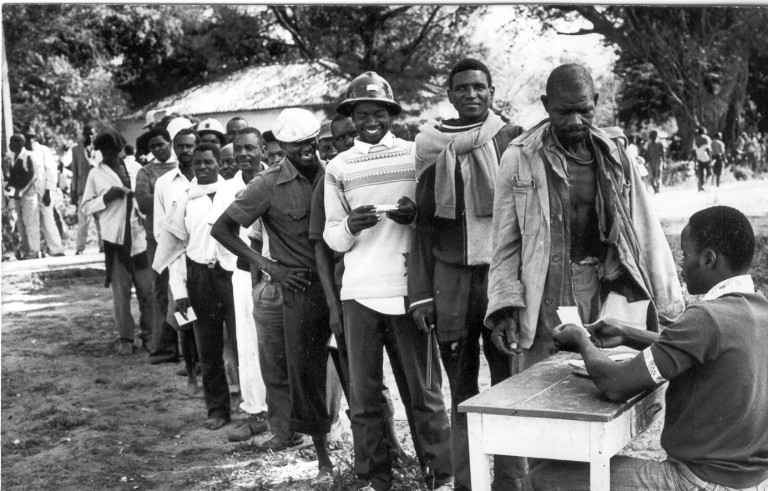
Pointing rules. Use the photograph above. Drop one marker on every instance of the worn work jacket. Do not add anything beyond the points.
(521, 237)
(112, 217)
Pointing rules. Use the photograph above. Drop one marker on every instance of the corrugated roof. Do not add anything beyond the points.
(257, 88)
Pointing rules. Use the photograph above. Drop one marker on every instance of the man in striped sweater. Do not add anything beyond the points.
(361, 185)
(456, 164)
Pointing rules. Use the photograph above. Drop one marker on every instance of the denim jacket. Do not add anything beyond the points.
(521, 237)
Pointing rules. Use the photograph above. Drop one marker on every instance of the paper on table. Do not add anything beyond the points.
(570, 315)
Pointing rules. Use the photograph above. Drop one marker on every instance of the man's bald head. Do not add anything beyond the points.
(570, 77)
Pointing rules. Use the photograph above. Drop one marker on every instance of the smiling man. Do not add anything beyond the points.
(571, 222)
(282, 197)
(448, 265)
(379, 171)
(715, 427)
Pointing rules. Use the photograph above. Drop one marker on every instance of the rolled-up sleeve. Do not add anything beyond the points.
(251, 203)
(504, 286)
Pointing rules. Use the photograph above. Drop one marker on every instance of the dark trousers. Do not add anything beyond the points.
(268, 316)
(702, 173)
(164, 345)
(341, 361)
(367, 332)
(306, 331)
(461, 360)
(210, 294)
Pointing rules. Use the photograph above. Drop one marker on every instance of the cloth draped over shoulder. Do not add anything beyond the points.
(174, 236)
(472, 150)
(639, 256)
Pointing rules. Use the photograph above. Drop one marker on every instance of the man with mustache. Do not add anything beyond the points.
(571, 223)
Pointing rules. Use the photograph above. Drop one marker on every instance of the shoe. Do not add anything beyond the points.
(324, 476)
(254, 424)
(125, 348)
(79, 252)
(215, 423)
(58, 254)
(374, 485)
(278, 443)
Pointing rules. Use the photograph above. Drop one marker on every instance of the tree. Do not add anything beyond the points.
(700, 55)
(408, 45)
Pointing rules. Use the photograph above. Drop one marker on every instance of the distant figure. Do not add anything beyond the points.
(233, 126)
(702, 150)
(129, 152)
(656, 160)
(718, 158)
(275, 152)
(210, 130)
(45, 183)
(81, 158)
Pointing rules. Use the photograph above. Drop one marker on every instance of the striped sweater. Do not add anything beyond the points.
(375, 259)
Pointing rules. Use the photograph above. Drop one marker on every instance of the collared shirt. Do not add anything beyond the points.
(225, 196)
(387, 141)
(282, 198)
(201, 247)
(167, 188)
(735, 284)
(46, 173)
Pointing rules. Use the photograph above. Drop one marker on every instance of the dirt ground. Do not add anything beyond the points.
(77, 417)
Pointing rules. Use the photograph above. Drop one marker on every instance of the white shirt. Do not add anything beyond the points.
(201, 247)
(167, 188)
(225, 196)
(46, 172)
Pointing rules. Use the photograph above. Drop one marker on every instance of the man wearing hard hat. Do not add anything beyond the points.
(211, 131)
(282, 196)
(369, 191)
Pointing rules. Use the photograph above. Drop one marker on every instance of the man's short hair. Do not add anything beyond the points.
(128, 149)
(726, 231)
(159, 131)
(188, 131)
(251, 131)
(205, 146)
(570, 76)
(468, 64)
(19, 138)
(269, 137)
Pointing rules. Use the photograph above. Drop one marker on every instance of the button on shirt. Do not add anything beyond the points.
(282, 198)
(167, 188)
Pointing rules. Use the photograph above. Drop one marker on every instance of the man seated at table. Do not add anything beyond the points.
(716, 426)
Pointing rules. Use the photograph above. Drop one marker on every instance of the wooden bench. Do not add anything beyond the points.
(549, 412)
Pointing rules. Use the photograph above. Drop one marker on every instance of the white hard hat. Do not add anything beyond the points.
(211, 126)
(176, 125)
(295, 125)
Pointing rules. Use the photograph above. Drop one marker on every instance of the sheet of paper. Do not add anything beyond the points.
(570, 315)
(617, 310)
(182, 320)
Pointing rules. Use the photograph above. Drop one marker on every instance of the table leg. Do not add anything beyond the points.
(478, 460)
(600, 474)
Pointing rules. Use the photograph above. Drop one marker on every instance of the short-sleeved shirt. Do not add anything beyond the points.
(716, 420)
(282, 198)
(316, 227)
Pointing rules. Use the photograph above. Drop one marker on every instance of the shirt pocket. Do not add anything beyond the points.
(526, 205)
(297, 222)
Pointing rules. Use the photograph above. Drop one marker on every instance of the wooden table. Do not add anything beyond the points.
(549, 412)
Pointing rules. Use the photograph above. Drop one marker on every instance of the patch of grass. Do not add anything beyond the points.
(66, 421)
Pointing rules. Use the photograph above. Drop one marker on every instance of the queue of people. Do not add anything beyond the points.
(280, 243)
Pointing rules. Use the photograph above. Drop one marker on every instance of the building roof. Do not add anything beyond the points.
(258, 88)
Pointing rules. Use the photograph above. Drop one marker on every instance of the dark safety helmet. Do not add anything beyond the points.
(369, 87)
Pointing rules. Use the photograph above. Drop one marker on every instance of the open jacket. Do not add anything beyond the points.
(521, 229)
(112, 217)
